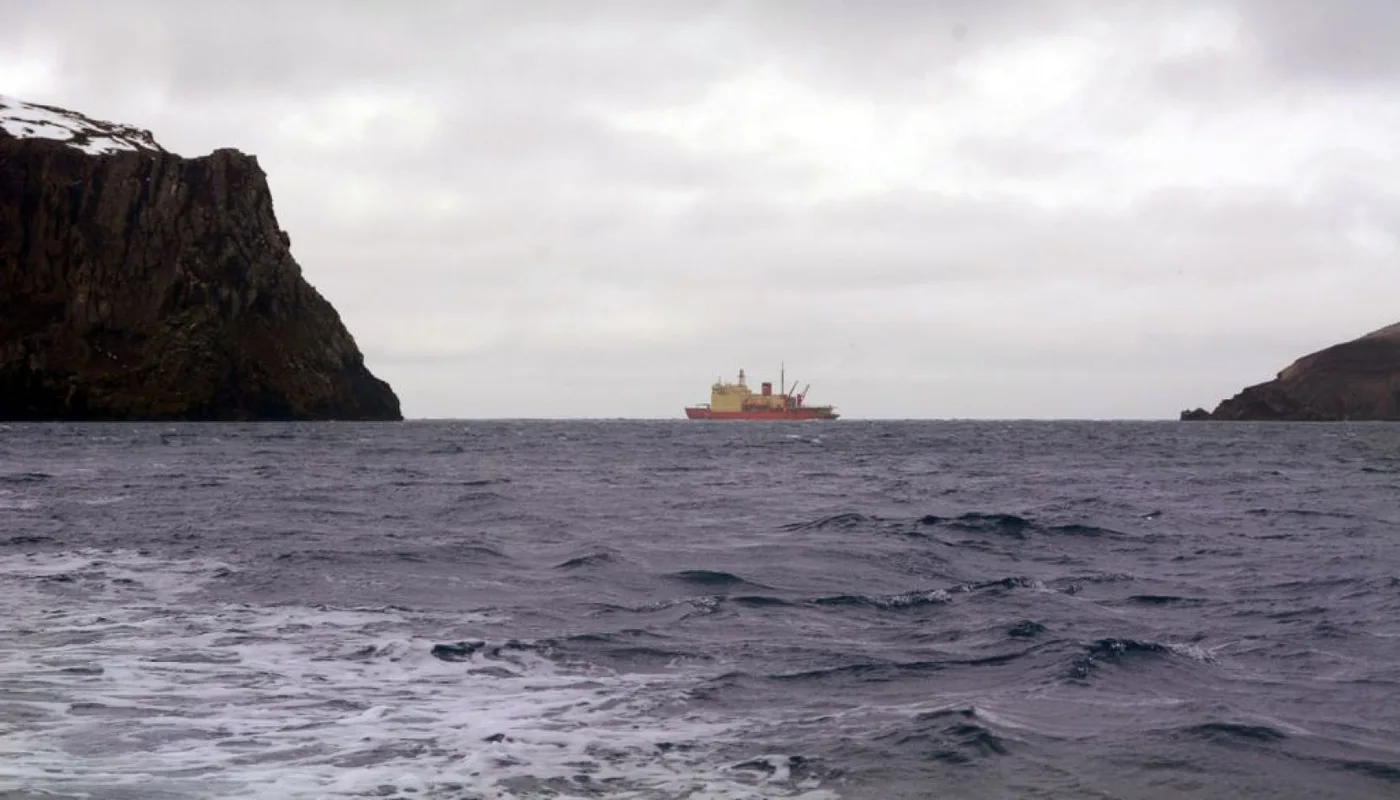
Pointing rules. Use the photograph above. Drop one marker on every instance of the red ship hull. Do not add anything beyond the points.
(801, 414)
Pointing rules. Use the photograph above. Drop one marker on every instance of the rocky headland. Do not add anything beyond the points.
(136, 284)
(1355, 380)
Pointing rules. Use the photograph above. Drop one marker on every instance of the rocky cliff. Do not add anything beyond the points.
(1355, 380)
(136, 284)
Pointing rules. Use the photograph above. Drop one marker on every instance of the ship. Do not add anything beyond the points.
(735, 401)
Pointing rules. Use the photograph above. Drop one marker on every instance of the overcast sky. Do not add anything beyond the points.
(967, 208)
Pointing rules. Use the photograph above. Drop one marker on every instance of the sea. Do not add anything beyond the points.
(677, 609)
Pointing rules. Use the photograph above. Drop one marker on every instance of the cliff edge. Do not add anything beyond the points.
(1355, 380)
(136, 284)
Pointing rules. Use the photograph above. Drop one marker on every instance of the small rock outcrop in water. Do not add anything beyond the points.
(136, 284)
(1355, 380)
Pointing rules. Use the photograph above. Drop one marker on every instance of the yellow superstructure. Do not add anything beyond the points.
(725, 396)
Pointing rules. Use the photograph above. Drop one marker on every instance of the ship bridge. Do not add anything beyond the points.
(738, 396)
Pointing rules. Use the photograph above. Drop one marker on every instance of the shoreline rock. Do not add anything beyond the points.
(1357, 380)
(136, 284)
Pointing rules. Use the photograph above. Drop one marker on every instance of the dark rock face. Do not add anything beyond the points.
(1355, 380)
(139, 285)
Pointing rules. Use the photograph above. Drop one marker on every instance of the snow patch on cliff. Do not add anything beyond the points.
(21, 120)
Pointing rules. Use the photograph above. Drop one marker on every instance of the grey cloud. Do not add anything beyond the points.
(488, 51)
(893, 47)
(1027, 159)
(1287, 45)
(730, 239)
(1338, 42)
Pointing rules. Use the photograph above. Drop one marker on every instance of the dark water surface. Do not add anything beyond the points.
(700, 610)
